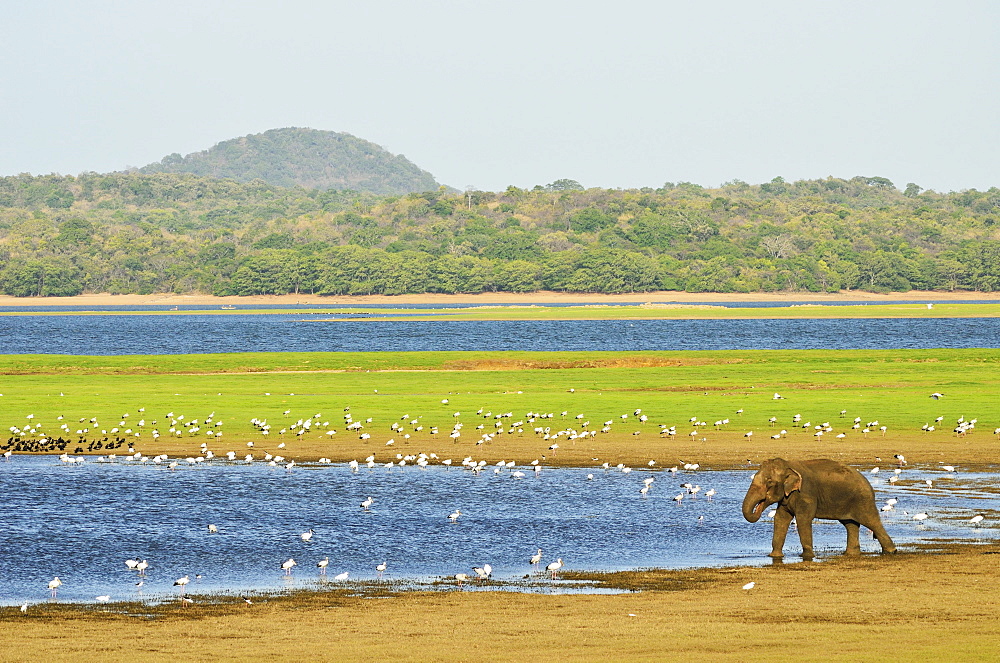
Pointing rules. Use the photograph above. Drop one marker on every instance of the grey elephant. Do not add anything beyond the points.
(808, 489)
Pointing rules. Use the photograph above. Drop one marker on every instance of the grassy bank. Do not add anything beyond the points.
(652, 311)
(670, 388)
(904, 607)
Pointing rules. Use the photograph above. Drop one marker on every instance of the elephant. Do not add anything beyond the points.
(808, 489)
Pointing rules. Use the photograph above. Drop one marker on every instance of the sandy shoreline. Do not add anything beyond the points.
(170, 299)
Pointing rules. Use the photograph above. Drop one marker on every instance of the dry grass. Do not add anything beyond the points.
(927, 606)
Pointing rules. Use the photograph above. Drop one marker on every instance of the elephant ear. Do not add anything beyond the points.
(793, 482)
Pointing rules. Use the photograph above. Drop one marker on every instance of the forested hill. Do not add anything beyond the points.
(164, 232)
(303, 157)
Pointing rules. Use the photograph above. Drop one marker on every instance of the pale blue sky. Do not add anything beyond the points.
(613, 94)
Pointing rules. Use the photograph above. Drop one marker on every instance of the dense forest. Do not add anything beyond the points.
(303, 157)
(168, 232)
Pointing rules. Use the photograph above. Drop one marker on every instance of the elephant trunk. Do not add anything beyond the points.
(754, 502)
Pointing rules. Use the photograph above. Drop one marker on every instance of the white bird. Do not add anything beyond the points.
(484, 572)
(381, 568)
(948, 468)
(102, 599)
(54, 585)
(554, 567)
(287, 565)
(975, 520)
(341, 576)
(141, 567)
(749, 585)
(182, 582)
(322, 564)
(936, 395)
(131, 564)
(536, 558)
(24, 608)
(367, 503)
(453, 516)
(213, 529)
(306, 536)
(920, 516)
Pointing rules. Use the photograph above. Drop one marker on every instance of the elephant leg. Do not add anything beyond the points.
(883, 537)
(853, 536)
(782, 519)
(805, 526)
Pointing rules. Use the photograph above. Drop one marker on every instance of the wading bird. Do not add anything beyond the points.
(536, 558)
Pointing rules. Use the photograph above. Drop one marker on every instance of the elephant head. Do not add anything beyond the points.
(775, 481)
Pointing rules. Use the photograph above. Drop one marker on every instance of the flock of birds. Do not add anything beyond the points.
(90, 433)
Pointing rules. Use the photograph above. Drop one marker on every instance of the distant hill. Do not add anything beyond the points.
(304, 157)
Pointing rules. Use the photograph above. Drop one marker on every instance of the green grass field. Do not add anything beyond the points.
(604, 312)
(892, 387)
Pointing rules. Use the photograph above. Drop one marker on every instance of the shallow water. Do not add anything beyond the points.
(80, 522)
(193, 333)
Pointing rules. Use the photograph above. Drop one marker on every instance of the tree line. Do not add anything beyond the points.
(166, 232)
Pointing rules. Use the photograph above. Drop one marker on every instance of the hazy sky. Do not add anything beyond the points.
(612, 94)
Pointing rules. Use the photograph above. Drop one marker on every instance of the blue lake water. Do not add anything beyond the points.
(159, 334)
(81, 521)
